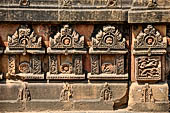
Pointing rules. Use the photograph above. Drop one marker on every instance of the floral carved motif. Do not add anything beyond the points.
(66, 68)
(149, 38)
(24, 67)
(67, 38)
(106, 93)
(108, 37)
(24, 3)
(24, 37)
(148, 68)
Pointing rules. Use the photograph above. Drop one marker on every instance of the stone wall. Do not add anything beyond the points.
(72, 55)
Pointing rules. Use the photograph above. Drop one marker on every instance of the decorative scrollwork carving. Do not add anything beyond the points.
(11, 64)
(67, 2)
(108, 37)
(78, 64)
(67, 38)
(149, 38)
(106, 93)
(148, 68)
(36, 64)
(66, 93)
(24, 37)
(94, 64)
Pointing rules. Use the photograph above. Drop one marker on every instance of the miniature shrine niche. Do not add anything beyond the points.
(25, 54)
(65, 50)
(149, 50)
(108, 55)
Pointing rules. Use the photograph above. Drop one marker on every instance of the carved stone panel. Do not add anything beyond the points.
(106, 93)
(95, 64)
(25, 67)
(148, 68)
(67, 93)
(53, 68)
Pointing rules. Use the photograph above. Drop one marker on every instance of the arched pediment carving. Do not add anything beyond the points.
(149, 38)
(67, 38)
(108, 37)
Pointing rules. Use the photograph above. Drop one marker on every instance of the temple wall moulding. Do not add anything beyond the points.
(65, 55)
(24, 54)
(108, 55)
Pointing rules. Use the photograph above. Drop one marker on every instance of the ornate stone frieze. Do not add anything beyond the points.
(67, 93)
(106, 93)
(67, 38)
(148, 68)
(108, 37)
(24, 94)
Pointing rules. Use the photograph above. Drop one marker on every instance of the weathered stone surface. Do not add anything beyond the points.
(148, 97)
(80, 97)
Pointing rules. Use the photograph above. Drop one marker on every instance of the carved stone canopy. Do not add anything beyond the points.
(24, 40)
(150, 41)
(68, 41)
(109, 40)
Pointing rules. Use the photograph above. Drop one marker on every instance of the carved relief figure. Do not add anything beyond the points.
(107, 68)
(108, 37)
(24, 37)
(24, 94)
(147, 94)
(66, 93)
(67, 38)
(106, 93)
(149, 68)
(149, 38)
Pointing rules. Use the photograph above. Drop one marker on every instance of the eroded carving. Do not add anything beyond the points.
(111, 3)
(24, 37)
(67, 2)
(24, 67)
(108, 37)
(94, 64)
(66, 68)
(24, 3)
(24, 94)
(152, 3)
(148, 68)
(67, 38)
(106, 93)
(120, 64)
(147, 94)
(53, 64)
(149, 38)
(66, 93)
(11, 64)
